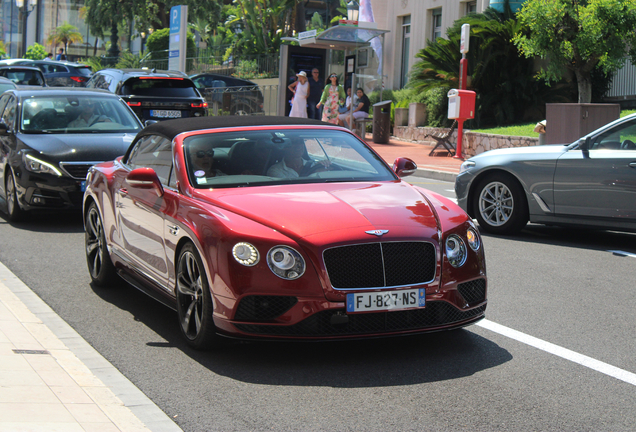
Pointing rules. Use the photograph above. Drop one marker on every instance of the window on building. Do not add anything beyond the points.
(437, 23)
(471, 7)
(406, 47)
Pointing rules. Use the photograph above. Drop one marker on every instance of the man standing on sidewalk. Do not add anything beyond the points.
(316, 87)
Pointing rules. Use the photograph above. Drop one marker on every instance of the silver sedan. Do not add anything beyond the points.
(589, 183)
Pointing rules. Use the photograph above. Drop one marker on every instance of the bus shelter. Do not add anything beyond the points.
(344, 49)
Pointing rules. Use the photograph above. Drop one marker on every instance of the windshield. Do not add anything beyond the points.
(253, 158)
(76, 114)
(161, 87)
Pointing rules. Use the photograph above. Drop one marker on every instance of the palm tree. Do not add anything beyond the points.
(65, 34)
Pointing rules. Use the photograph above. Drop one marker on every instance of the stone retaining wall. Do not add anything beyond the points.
(472, 144)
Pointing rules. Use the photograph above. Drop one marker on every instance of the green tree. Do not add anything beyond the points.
(262, 23)
(578, 36)
(35, 52)
(65, 34)
(501, 77)
(3, 49)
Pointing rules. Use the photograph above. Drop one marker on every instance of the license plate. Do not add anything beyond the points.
(165, 113)
(386, 300)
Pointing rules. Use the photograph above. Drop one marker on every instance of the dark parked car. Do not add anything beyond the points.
(49, 138)
(238, 96)
(153, 95)
(23, 75)
(589, 183)
(60, 73)
(6, 84)
(280, 228)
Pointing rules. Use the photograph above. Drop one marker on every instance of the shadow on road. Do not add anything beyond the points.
(380, 362)
(48, 222)
(572, 237)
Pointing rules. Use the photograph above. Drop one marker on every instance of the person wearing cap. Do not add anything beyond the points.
(332, 97)
(300, 89)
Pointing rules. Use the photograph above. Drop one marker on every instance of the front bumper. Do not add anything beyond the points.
(35, 191)
(310, 319)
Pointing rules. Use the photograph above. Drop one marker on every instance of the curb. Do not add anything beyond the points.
(436, 174)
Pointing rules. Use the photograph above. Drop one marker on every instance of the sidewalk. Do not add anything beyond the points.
(52, 380)
(440, 167)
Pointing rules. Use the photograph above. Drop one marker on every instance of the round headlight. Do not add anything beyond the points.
(246, 254)
(473, 239)
(285, 262)
(455, 250)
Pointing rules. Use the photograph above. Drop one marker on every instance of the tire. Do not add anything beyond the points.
(100, 266)
(500, 204)
(194, 301)
(14, 212)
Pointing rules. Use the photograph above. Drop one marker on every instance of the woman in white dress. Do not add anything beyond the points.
(300, 88)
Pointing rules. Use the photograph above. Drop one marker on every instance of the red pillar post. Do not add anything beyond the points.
(463, 76)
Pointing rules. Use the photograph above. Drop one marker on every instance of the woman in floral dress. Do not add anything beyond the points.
(332, 96)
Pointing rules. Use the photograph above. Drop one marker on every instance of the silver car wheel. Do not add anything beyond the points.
(496, 204)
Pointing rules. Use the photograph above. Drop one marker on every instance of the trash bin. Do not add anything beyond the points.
(381, 122)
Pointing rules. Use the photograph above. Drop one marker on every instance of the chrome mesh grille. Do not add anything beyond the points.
(377, 265)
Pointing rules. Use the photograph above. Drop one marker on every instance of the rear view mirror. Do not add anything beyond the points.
(584, 144)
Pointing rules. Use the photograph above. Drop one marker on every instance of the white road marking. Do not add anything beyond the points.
(565, 353)
(623, 253)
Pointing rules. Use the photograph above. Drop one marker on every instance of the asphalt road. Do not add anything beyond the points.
(556, 351)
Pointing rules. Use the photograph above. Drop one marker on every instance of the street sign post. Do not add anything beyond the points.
(178, 38)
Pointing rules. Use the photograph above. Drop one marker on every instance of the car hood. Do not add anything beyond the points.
(80, 147)
(303, 211)
(524, 152)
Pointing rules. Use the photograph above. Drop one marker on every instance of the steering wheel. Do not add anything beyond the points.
(628, 145)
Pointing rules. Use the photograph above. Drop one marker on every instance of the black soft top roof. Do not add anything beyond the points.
(172, 128)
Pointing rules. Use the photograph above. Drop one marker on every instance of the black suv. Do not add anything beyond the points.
(152, 94)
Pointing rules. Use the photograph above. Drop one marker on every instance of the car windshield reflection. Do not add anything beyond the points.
(253, 158)
(76, 114)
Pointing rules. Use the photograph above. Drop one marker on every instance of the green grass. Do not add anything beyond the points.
(526, 129)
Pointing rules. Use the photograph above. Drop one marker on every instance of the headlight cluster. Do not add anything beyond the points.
(283, 261)
(36, 165)
(466, 166)
(456, 251)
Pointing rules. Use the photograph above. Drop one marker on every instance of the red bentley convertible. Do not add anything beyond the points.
(280, 228)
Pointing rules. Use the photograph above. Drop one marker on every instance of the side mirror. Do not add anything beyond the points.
(404, 167)
(145, 179)
(584, 144)
(149, 122)
(4, 129)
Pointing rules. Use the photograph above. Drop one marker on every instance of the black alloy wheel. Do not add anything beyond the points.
(100, 266)
(14, 211)
(194, 300)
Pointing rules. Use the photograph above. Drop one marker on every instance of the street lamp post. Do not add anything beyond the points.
(353, 9)
(25, 10)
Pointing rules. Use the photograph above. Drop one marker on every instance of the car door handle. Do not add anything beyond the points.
(632, 165)
(123, 192)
